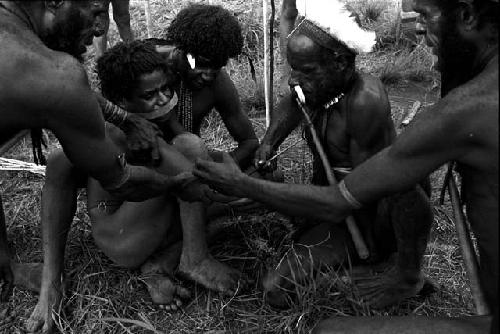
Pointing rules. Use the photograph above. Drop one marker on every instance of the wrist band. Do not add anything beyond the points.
(348, 196)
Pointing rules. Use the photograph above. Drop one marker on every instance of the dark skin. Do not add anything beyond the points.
(130, 233)
(357, 127)
(156, 217)
(213, 88)
(65, 104)
(461, 127)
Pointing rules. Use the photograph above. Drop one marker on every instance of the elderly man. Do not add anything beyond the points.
(462, 127)
(36, 39)
(352, 117)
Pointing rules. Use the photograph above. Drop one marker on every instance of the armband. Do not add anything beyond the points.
(353, 202)
(113, 114)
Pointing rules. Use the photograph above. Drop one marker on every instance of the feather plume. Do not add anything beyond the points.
(335, 19)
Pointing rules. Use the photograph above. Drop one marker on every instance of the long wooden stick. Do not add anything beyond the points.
(149, 25)
(271, 60)
(468, 254)
(267, 93)
(356, 236)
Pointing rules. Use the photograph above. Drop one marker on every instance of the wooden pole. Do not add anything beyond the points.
(271, 63)
(356, 236)
(267, 93)
(149, 25)
(468, 253)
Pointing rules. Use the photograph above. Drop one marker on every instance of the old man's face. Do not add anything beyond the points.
(441, 29)
(319, 81)
(70, 25)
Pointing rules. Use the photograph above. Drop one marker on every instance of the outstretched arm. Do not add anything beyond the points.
(416, 153)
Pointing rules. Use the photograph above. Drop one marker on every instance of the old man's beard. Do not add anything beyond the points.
(70, 36)
(456, 58)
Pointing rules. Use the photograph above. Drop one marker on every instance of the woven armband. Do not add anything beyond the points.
(353, 202)
(114, 114)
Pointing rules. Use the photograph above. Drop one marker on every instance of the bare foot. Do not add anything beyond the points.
(386, 288)
(165, 293)
(28, 275)
(48, 303)
(212, 274)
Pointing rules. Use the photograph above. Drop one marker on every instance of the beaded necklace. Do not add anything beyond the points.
(185, 111)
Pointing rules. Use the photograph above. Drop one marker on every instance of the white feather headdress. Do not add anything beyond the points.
(332, 17)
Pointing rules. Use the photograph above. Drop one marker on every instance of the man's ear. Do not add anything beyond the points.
(467, 15)
(53, 5)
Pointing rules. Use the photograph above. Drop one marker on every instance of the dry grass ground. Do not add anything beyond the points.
(102, 298)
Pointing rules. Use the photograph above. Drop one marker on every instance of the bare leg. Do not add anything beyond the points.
(325, 244)
(58, 209)
(403, 325)
(196, 262)
(101, 42)
(411, 217)
(121, 15)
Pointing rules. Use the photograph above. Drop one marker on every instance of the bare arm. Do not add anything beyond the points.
(437, 136)
(417, 152)
(142, 135)
(236, 121)
(284, 119)
(69, 108)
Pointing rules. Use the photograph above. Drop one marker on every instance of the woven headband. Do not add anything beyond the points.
(319, 36)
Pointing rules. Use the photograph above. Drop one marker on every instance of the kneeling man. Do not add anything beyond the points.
(351, 114)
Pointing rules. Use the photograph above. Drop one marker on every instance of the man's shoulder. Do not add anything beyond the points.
(479, 93)
(368, 93)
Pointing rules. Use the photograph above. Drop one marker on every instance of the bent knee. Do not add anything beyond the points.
(190, 145)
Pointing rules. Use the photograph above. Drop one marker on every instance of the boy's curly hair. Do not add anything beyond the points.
(208, 31)
(120, 68)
